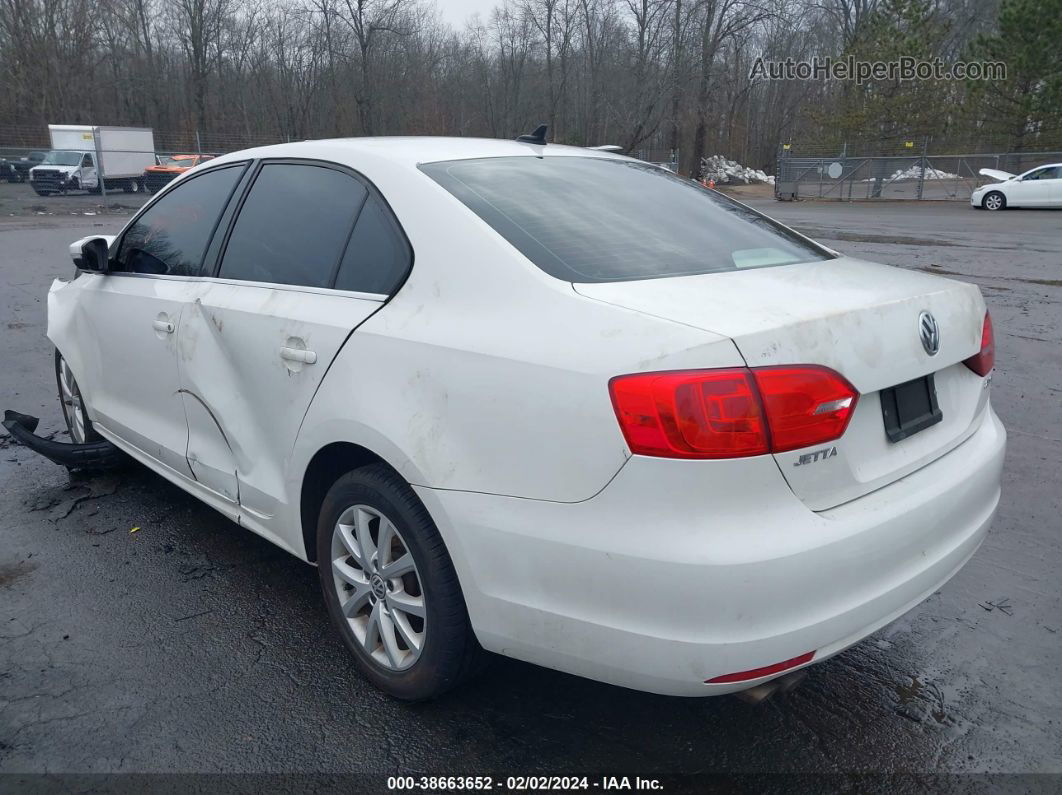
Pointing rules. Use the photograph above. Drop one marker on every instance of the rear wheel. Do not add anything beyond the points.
(994, 201)
(131, 186)
(390, 587)
(77, 421)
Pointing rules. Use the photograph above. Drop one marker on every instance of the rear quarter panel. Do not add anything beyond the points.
(485, 374)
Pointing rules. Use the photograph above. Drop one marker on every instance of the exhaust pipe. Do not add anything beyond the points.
(783, 684)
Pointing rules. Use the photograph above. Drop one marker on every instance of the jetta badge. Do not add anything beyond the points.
(929, 333)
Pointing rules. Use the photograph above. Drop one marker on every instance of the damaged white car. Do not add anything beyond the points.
(544, 401)
(1037, 187)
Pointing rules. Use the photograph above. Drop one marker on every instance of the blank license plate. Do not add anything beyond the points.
(909, 408)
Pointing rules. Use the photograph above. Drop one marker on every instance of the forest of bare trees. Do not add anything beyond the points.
(661, 74)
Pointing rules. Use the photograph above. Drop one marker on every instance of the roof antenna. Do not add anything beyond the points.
(537, 137)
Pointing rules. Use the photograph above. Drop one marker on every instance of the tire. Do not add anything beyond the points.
(40, 192)
(994, 200)
(131, 186)
(77, 420)
(373, 500)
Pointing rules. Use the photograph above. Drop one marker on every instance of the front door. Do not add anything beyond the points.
(132, 318)
(263, 334)
(1035, 188)
(88, 175)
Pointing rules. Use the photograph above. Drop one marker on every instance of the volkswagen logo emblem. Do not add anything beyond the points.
(379, 587)
(929, 333)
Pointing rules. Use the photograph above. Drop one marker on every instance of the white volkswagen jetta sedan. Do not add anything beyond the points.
(545, 401)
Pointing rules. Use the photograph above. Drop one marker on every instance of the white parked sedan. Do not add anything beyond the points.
(1037, 187)
(545, 401)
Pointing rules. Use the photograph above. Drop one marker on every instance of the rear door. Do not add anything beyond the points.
(128, 320)
(291, 285)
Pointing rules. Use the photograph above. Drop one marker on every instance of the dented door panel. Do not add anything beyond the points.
(209, 456)
(251, 357)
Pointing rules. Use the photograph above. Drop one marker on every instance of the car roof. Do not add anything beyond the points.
(411, 150)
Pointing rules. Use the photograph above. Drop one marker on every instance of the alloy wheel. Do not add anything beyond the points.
(993, 201)
(70, 396)
(379, 588)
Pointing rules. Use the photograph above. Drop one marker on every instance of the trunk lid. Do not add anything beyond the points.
(858, 318)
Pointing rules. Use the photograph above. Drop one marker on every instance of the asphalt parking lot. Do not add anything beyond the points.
(194, 646)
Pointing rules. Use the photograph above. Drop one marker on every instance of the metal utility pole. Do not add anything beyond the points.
(99, 162)
(922, 171)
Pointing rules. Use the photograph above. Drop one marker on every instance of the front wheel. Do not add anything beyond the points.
(77, 421)
(391, 588)
(994, 201)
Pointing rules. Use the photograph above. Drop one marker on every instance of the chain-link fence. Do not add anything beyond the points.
(919, 175)
(668, 158)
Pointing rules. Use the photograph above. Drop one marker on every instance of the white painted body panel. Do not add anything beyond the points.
(104, 326)
(245, 402)
(484, 382)
(680, 571)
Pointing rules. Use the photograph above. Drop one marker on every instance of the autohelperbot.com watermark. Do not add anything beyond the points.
(850, 68)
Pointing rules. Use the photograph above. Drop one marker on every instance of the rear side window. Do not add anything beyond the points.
(172, 234)
(293, 226)
(377, 257)
(585, 219)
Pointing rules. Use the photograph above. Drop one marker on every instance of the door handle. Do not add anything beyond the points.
(298, 355)
(162, 325)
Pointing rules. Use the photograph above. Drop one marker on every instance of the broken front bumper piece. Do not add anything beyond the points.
(91, 455)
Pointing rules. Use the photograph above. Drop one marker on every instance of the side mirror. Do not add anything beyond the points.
(90, 254)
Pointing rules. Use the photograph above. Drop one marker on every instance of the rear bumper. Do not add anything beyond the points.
(681, 571)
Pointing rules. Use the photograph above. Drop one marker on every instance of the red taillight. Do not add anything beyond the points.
(733, 412)
(767, 670)
(983, 361)
(805, 405)
(692, 414)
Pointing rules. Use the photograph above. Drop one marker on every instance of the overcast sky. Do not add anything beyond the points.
(456, 12)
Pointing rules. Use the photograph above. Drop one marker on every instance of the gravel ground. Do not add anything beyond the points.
(193, 646)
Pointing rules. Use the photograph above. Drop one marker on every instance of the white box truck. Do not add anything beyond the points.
(82, 155)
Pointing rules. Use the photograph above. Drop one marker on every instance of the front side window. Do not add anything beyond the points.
(61, 158)
(86, 161)
(587, 219)
(171, 236)
(1050, 172)
(293, 226)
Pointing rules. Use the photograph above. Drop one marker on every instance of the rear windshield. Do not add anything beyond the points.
(587, 219)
